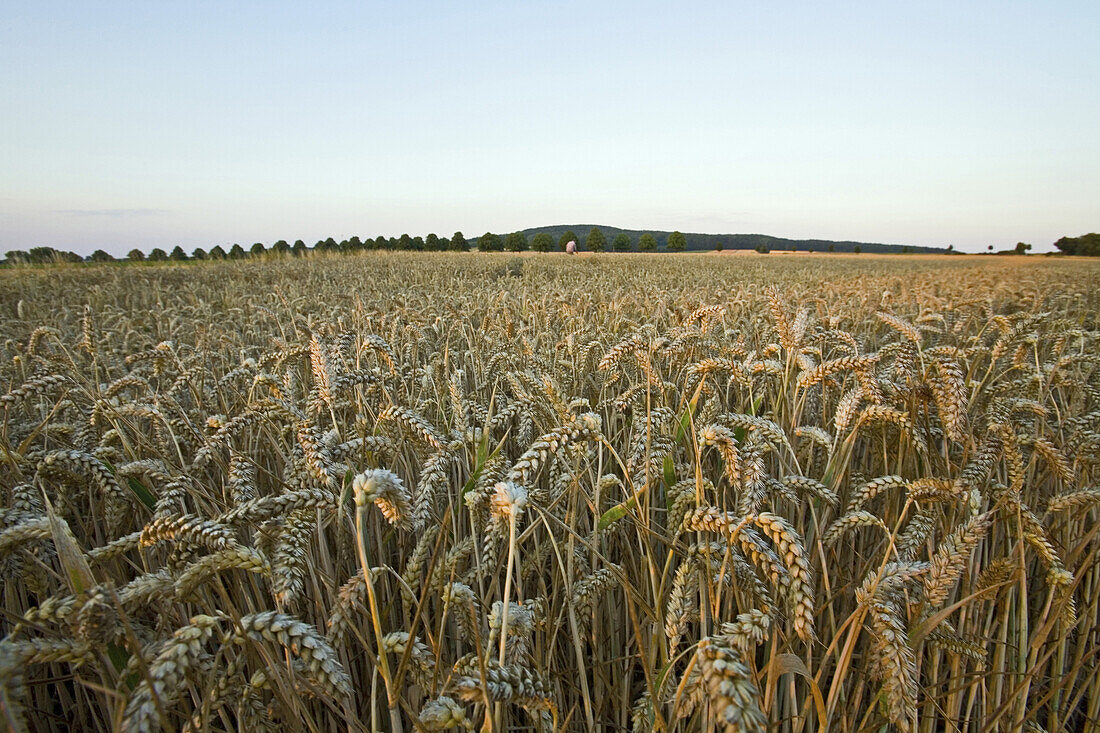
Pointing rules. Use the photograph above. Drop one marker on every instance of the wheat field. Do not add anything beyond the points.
(451, 491)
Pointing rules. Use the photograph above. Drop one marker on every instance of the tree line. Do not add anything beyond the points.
(1087, 245)
(594, 241)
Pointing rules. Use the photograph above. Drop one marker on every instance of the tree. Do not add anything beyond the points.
(405, 242)
(49, 256)
(677, 242)
(299, 248)
(236, 252)
(489, 242)
(257, 249)
(622, 242)
(17, 257)
(178, 255)
(1021, 248)
(198, 254)
(40, 255)
(857, 249)
(763, 249)
(950, 248)
(516, 242)
(281, 247)
(158, 255)
(542, 242)
(1086, 245)
(647, 243)
(832, 247)
(432, 243)
(136, 255)
(595, 241)
(905, 250)
(459, 243)
(100, 256)
(566, 238)
(718, 246)
(418, 244)
(217, 253)
(355, 244)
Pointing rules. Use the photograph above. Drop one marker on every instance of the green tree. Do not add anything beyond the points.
(17, 257)
(566, 238)
(516, 242)
(857, 249)
(236, 252)
(100, 256)
(355, 244)
(677, 242)
(832, 248)
(459, 243)
(542, 242)
(418, 244)
(405, 242)
(136, 255)
(44, 255)
(1086, 245)
(51, 256)
(299, 248)
(258, 249)
(432, 243)
(595, 241)
(489, 242)
(1021, 248)
(763, 249)
(647, 243)
(718, 246)
(158, 255)
(177, 254)
(622, 242)
(281, 247)
(198, 254)
(217, 253)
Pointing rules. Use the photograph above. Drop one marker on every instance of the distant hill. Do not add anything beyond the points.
(699, 242)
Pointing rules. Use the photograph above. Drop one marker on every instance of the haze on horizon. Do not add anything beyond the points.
(194, 124)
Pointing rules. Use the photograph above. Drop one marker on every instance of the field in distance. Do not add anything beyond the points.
(441, 491)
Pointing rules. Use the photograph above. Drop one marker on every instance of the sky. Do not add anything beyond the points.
(156, 124)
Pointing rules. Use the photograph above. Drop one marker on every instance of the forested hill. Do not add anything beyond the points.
(729, 241)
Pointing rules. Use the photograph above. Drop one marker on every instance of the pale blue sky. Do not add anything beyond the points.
(201, 123)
